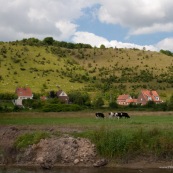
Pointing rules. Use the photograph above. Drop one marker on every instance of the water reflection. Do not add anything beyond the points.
(83, 170)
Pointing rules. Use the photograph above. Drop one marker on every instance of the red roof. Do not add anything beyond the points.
(151, 93)
(124, 97)
(24, 92)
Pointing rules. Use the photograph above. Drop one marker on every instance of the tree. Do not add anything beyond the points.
(31, 41)
(52, 94)
(98, 102)
(150, 104)
(170, 103)
(113, 105)
(166, 52)
(48, 41)
(102, 46)
(80, 98)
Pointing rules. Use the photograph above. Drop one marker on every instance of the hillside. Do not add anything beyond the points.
(94, 70)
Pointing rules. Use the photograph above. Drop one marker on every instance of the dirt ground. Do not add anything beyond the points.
(61, 151)
(64, 150)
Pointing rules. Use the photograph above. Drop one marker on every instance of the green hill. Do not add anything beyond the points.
(95, 70)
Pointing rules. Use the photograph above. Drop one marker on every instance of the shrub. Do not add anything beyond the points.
(7, 96)
(61, 108)
(98, 102)
(113, 105)
(80, 98)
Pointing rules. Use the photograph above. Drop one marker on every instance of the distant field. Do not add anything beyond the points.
(87, 120)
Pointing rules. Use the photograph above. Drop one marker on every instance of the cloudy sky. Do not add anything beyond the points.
(114, 23)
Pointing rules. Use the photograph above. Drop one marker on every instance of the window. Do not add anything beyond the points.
(149, 98)
(157, 98)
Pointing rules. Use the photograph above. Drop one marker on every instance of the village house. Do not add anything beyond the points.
(62, 96)
(23, 93)
(125, 100)
(148, 95)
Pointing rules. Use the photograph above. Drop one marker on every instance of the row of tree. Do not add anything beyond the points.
(49, 41)
(166, 52)
(78, 101)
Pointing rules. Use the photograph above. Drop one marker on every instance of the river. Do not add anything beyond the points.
(82, 170)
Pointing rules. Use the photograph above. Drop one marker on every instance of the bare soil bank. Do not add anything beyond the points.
(61, 151)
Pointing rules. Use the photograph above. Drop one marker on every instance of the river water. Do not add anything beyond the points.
(82, 170)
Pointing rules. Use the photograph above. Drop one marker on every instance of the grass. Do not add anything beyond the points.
(29, 138)
(51, 70)
(141, 135)
(46, 65)
(116, 143)
(88, 120)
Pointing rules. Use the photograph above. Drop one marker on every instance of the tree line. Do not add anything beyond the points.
(77, 101)
(49, 41)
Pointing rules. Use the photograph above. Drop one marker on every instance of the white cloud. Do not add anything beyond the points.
(57, 18)
(88, 38)
(66, 28)
(40, 18)
(94, 40)
(141, 17)
(167, 27)
(166, 44)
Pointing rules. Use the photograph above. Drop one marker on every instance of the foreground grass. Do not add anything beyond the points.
(140, 142)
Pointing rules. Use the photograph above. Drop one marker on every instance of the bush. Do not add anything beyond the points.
(7, 96)
(61, 108)
(98, 102)
(80, 98)
(113, 105)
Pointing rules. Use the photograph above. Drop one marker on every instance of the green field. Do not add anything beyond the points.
(83, 120)
(144, 134)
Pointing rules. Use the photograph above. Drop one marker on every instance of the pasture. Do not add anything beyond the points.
(88, 121)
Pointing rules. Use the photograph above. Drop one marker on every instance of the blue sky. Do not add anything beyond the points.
(114, 23)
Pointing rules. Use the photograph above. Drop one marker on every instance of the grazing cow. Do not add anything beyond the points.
(99, 115)
(118, 115)
(121, 115)
(125, 115)
(112, 115)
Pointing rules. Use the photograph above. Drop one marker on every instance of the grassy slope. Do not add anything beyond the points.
(43, 71)
(40, 70)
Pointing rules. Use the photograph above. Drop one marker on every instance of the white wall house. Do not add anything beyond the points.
(23, 93)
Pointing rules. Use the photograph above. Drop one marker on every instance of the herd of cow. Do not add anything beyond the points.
(113, 115)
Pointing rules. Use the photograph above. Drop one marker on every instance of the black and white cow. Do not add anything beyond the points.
(122, 114)
(112, 115)
(125, 115)
(99, 115)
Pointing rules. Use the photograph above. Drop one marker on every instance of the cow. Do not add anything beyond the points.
(112, 115)
(99, 115)
(121, 115)
(125, 115)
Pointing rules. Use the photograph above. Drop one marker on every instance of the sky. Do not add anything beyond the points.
(114, 23)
